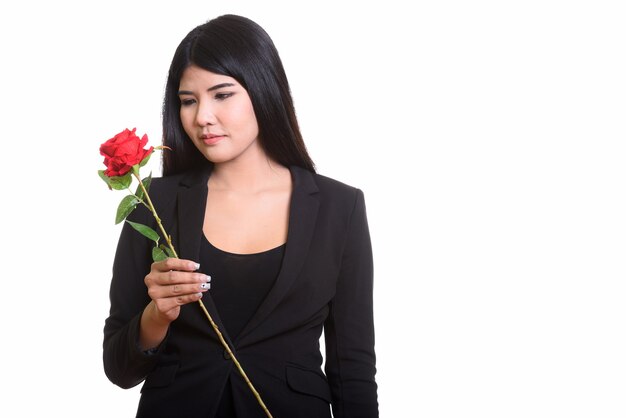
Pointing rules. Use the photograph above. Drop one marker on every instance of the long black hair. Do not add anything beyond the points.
(237, 47)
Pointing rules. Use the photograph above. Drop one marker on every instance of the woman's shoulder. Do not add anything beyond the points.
(333, 185)
(338, 199)
(337, 191)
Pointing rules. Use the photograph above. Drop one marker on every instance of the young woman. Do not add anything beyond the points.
(285, 252)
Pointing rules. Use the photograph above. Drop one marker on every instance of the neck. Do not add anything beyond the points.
(249, 176)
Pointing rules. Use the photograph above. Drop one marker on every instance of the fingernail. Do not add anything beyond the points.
(205, 286)
(207, 278)
(196, 265)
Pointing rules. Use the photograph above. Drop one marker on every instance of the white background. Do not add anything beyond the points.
(488, 137)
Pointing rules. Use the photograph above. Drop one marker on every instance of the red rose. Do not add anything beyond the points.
(123, 151)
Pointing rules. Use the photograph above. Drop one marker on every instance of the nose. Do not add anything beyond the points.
(205, 114)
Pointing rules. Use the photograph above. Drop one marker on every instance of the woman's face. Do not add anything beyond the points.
(217, 114)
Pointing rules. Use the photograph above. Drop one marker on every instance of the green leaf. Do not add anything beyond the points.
(125, 207)
(146, 231)
(158, 254)
(105, 178)
(168, 250)
(121, 182)
(135, 169)
(146, 183)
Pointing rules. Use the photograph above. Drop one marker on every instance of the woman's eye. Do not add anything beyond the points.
(222, 96)
(187, 102)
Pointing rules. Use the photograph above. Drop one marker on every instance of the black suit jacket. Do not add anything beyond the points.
(325, 282)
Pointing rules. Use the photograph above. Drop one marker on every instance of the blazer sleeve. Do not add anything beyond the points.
(349, 328)
(125, 364)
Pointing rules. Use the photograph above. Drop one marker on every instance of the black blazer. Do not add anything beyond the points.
(325, 282)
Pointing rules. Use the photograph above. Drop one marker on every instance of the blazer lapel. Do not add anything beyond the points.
(192, 197)
(302, 217)
(191, 206)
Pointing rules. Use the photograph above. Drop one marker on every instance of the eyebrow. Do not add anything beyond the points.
(215, 87)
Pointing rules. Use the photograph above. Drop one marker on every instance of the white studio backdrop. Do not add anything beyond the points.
(488, 137)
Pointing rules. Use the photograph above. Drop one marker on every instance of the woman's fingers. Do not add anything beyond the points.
(185, 289)
(168, 304)
(174, 282)
(177, 290)
(175, 264)
(173, 277)
(174, 271)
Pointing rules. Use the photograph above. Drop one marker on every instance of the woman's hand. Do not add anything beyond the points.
(171, 283)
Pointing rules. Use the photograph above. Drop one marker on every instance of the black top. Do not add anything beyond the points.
(239, 283)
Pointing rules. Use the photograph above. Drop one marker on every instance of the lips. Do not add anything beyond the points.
(210, 139)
